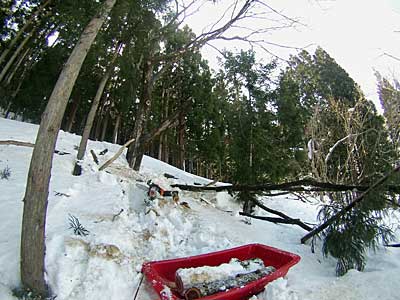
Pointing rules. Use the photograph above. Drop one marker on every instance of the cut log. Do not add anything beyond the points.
(240, 280)
(187, 278)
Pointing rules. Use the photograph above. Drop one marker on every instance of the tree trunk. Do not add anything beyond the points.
(133, 156)
(22, 30)
(89, 123)
(116, 128)
(104, 129)
(72, 114)
(92, 114)
(97, 128)
(7, 112)
(20, 60)
(181, 142)
(37, 188)
(14, 56)
(160, 147)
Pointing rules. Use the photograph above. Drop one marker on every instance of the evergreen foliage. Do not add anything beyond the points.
(352, 149)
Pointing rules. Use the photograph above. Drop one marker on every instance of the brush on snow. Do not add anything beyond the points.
(77, 226)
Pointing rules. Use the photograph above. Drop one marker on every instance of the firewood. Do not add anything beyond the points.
(210, 288)
(187, 278)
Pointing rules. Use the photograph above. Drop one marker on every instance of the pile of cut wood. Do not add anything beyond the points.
(194, 283)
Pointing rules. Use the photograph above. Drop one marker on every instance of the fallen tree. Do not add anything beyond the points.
(303, 185)
(349, 207)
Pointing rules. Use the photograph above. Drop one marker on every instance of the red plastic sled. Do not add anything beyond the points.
(161, 274)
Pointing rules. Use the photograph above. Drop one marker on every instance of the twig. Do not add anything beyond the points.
(137, 290)
(116, 215)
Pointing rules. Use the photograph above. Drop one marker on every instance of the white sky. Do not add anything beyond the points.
(356, 33)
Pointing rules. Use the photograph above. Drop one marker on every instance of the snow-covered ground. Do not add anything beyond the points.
(106, 263)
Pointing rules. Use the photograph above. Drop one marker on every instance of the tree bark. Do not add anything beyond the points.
(37, 188)
(146, 141)
(92, 114)
(105, 125)
(116, 129)
(133, 156)
(72, 114)
(181, 141)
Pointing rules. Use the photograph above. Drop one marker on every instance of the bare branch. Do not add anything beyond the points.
(280, 14)
(352, 135)
(391, 56)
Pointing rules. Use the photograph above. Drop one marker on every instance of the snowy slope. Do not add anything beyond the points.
(106, 263)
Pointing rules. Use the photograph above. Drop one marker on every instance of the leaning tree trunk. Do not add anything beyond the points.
(15, 55)
(22, 30)
(37, 188)
(133, 155)
(92, 114)
(11, 74)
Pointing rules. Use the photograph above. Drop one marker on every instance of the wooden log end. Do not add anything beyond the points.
(192, 293)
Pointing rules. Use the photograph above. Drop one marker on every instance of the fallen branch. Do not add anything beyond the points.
(27, 144)
(267, 209)
(116, 155)
(279, 220)
(17, 143)
(116, 215)
(349, 207)
(393, 245)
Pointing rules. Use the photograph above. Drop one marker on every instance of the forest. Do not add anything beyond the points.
(131, 72)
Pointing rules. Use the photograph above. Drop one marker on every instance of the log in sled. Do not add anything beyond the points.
(232, 274)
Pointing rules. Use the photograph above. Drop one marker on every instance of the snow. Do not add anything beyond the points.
(106, 263)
